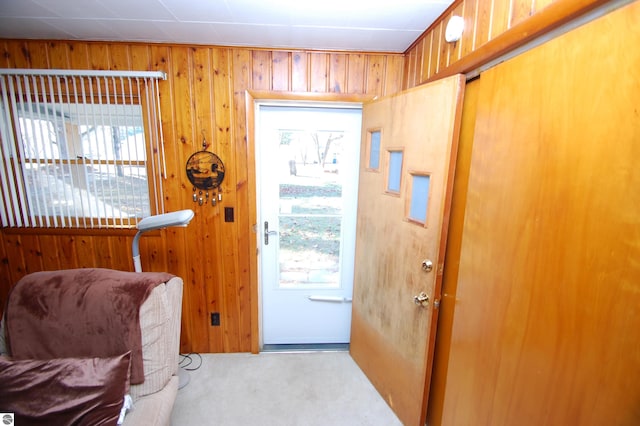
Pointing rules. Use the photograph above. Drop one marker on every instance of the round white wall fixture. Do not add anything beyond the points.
(454, 29)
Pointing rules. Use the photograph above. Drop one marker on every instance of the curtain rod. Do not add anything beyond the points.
(84, 73)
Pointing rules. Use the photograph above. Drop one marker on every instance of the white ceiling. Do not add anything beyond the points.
(360, 25)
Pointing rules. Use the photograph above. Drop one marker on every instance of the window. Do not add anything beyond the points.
(373, 149)
(419, 200)
(394, 173)
(79, 151)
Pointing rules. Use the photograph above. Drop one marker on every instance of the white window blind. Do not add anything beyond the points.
(79, 149)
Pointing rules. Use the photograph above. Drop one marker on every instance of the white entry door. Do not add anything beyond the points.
(307, 173)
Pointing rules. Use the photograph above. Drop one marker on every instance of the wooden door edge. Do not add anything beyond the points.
(437, 292)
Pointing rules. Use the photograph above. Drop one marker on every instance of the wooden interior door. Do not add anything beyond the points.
(547, 320)
(401, 224)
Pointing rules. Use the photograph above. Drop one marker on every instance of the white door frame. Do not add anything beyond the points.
(259, 232)
(251, 98)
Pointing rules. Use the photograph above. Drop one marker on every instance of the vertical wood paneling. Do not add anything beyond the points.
(470, 24)
(261, 67)
(5, 273)
(411, 79)
(419, 59)
(393, 73)
(156, 251)
(280, 71)
(119, 56)
(520, 10)
(140, 57)
(242, 228)
(99, 58)
(455, 49)
(69, 245)
(501, 17)
(119, 253)
(50, 259)
(206, 127)
(102, 249)
(13, 57)
(234, 290)
(73, 55)
(85, 251)
(443, 55)
(338, 72)
(405, 72)
(319, 72)
(375, 74)
(15, 257)
(32, 253)
(541, 4)
(356, 77)
(213, 273)
(38, 54)
(484, 21)
(159, 58)
(18, 55)
(7, 51)
(185, 143)
(426, 53)
(204, 95)
(299, 72)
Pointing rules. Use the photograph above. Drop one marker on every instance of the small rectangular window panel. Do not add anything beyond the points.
(419, 204)
(395, 171)
(374, 150)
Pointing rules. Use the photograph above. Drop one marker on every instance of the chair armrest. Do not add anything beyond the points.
(160, 317)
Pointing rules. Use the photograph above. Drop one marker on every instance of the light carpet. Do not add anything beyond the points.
(296, 389)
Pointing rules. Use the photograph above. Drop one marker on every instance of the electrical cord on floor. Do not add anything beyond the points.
(187, 359)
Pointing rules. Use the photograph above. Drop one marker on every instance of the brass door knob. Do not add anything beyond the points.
(421, 300)
(427, 265)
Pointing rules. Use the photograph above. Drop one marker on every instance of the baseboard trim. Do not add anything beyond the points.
(307, 347)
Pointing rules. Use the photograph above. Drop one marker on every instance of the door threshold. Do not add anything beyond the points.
(307, 347)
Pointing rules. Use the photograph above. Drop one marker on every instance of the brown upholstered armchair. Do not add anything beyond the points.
(75, 342)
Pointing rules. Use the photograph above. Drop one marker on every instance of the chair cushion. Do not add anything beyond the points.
(79, 391)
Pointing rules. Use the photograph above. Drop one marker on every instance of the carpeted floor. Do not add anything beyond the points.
(283, 389)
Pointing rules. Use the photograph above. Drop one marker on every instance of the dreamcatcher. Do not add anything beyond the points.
(205, 171)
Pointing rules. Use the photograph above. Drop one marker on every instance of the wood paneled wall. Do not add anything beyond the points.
(491, 28)
(203, 98)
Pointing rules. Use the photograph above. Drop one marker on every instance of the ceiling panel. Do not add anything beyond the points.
(356, 25)
(195, 33)
(16, 28)
(138, 30)
(87, 9)
(87, 29)
(150, 10)
(22, 8)
(198, 11)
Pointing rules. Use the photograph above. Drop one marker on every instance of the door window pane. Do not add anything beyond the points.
(395, 171)
(374, 150)
(419, 204)
(310, 209)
